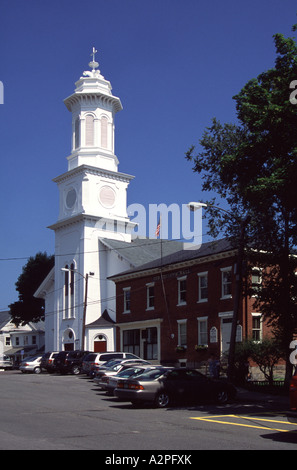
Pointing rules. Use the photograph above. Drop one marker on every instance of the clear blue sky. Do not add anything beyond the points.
(175, 64)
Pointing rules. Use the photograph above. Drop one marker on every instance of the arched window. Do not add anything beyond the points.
(69, 291)
(104, 123)
(72, 290)
(89, 130)
(77, 133)
(66, 291)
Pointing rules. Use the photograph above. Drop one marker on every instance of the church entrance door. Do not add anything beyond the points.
(100, 345)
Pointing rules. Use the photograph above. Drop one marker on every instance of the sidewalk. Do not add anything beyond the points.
(250, 396)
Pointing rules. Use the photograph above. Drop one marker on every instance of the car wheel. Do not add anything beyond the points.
(222, 396)
(75, 370)
(162, 399)
(37, 370)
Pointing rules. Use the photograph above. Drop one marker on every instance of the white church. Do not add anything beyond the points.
(93, 233)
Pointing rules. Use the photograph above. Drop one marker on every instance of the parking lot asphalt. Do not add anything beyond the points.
(251, 396)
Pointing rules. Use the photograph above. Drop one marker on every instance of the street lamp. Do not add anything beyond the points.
(238, 279)
(86, 278)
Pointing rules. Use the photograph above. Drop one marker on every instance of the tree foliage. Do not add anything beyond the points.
(252, 165)
(28, 308)
(265, 354)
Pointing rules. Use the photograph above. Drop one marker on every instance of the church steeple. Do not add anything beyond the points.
(93, 109)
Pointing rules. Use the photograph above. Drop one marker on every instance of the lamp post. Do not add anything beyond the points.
(238, 280)
(86, 278)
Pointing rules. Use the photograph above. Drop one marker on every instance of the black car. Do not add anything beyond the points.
(183, 385)
(70, 361)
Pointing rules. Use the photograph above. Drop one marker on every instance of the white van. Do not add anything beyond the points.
(93, 360)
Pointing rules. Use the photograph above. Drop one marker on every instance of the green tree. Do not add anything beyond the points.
(28, 308)
(252, 165)
(265, 354)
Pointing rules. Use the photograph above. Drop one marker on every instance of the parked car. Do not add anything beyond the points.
(47, 361)
(110, 382)
(6, 362)
(117, 367)
(163, 387)
(93, 360)
(73, 362)
(31, 364)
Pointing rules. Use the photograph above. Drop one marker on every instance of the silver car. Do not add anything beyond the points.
(6, 362)
(116, 367)
(165, 387)
(31, 364)
(110, 383)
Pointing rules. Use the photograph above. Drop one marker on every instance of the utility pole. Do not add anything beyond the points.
(84, 313)
(237, 297)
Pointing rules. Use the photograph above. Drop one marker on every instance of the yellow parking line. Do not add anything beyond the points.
(211, 419)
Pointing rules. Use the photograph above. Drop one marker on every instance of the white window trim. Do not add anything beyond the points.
(259, 315)
(224, 270)
(179, 301)
(181, 322)
(200, 275)
(259, 284)
(150, 284)
(125, 290)
(200, 320)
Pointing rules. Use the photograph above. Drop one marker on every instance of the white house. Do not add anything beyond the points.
(22, 341)
(93, 231)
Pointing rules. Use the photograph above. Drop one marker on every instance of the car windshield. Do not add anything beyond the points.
(113, 363)
(129, 372)
(152, 374)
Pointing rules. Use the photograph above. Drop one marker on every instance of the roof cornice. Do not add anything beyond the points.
(172, 267)
(94, 171)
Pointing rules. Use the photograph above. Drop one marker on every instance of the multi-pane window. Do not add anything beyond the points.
(127, 299)
(182, 332)
(256, 280)
(131, 341)
(182, 290)
(202, 331)
(202, 287)
(226, 282)
(256, 327)
(150, 296)
(151, 344)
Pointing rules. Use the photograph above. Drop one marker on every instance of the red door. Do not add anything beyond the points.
(100, 346)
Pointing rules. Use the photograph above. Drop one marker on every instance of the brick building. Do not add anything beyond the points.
(179, 308)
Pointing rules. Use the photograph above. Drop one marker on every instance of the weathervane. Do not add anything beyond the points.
(93, 64)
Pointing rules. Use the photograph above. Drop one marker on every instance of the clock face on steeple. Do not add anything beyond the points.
(107, 197)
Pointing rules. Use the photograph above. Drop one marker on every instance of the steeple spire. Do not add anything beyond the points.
(93, 64)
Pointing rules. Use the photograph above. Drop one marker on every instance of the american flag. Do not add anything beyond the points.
(157, 232)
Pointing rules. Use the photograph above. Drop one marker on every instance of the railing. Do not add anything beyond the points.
(276, 386)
